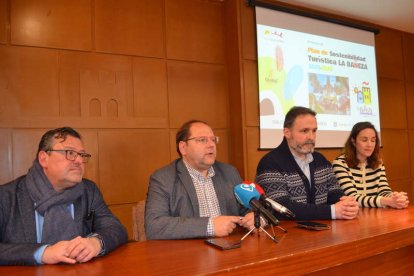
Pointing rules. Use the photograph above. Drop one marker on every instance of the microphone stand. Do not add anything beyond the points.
(259, 227)
(281, 228)
(269, 206)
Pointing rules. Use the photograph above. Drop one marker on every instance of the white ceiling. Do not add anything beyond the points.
(395, 14)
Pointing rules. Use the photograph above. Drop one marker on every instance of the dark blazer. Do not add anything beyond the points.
(172, 209)
(18, 226)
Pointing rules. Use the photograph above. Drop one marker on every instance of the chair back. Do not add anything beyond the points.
(138, 212)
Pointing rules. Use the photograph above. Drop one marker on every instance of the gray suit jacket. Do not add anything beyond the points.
(18, 226)
(172, 210)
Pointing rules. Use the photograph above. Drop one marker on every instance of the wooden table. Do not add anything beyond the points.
(378, 241)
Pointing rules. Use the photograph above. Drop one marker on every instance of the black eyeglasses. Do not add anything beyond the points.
(204, 139)
(71, 155)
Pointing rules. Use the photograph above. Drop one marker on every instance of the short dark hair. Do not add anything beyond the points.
(351, 159)
(47, 141)
(294, 112)
(184, 133)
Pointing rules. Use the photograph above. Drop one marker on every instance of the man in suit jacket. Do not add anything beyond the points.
(193, 196)
(53, 215)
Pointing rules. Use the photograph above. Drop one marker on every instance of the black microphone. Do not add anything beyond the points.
(276, 206)
(249, 197)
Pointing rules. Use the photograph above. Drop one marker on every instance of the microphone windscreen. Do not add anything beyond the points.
(258, 188)
(245, 193)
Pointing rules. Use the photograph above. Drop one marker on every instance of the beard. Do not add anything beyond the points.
(302, 149)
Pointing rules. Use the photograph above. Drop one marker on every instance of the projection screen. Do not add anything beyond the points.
(327, 67)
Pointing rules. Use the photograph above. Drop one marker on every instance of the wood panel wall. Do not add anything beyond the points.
(128, 73)
(125, 73)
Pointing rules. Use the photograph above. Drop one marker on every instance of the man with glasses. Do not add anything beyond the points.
(53, 215)
(193, 196)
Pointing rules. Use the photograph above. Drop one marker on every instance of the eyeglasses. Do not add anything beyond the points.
(204, 139)
(71, 155)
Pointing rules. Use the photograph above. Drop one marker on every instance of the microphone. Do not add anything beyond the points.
(276, 206)
(248, 196)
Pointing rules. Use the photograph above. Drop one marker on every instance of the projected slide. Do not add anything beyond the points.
(335, 77)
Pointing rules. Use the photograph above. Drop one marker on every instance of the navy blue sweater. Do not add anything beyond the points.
(283, 181)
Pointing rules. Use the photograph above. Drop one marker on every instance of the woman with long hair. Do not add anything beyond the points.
(361, 173)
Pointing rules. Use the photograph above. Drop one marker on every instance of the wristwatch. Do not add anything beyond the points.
(99, 237)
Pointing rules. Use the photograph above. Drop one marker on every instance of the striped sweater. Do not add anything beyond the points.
(283, 181)
(367, 185)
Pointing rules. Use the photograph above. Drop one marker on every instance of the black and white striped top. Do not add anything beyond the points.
(367, 185)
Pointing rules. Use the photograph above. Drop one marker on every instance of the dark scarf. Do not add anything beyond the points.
(58, 223)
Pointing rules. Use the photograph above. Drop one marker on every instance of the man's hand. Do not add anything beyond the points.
(248, 221)
(57, 253)
(76, 250)
(346, 208)
(84, 249)
(224, 225)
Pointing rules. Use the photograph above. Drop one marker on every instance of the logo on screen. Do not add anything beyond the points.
(363, 97)
(363, 93)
